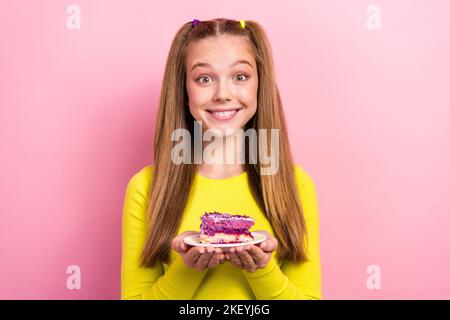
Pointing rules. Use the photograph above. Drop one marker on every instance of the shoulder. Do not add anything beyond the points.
(303, 178)
(136, 200)
(307, 191)
(142, 179)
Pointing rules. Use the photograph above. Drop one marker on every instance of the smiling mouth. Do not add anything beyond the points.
(223, 115)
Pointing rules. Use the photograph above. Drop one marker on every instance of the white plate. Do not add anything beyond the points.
(195, 242)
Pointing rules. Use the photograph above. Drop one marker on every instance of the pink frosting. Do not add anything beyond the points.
(215, 222)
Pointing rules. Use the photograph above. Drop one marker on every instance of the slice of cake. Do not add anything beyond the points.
(219, 228)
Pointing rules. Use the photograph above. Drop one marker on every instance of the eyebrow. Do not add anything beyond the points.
(204, 64)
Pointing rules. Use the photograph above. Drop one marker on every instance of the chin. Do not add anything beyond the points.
(223, 130)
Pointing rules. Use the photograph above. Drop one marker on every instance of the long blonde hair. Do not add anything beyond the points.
(276, 195)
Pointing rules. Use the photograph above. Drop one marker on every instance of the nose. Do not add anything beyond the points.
(223, 93)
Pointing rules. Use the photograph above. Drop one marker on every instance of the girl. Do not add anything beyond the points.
(220, 73)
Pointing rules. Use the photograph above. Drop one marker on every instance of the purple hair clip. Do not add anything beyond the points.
(195, 22)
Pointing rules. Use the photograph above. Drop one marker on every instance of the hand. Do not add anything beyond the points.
(252, 257)
(199, 258)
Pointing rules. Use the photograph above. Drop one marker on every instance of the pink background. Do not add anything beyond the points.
(367, 113)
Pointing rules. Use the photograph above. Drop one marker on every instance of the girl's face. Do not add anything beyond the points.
(221, 82)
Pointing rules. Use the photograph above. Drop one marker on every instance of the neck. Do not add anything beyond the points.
(223, 159)
(214, 171)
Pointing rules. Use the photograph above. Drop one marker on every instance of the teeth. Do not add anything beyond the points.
(225, 113)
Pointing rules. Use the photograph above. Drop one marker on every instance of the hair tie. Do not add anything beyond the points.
(242, 22)
(195, 22)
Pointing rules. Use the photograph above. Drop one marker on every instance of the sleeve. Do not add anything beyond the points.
(294, 281)
(145, 283)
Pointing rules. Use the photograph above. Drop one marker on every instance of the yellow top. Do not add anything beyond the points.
(278, 280)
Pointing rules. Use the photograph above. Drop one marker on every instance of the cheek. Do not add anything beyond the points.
(249, 90)
(198, 96)
(249, 94)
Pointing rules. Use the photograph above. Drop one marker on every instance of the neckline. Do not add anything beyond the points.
(207, 180)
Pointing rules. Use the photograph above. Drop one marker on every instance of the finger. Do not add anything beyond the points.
(210, 249)
(187, 234)
(178, 244)
(234, 259)
(203, 261)
(259, 257)
(215, 260)
(182, 247)
(193, 255)
(270, 244)
(225, 250)
(174, 245)
(263, 245)
(246, 259)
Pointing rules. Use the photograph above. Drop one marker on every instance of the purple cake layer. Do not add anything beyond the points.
(211, 232)
(219, 227)
(226, 223)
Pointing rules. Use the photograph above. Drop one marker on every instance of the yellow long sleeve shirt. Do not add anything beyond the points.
(174, 280)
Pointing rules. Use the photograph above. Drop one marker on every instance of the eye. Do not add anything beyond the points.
(241, 77)
(203, 79)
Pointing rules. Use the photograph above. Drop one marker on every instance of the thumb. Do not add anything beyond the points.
(179, 246)
(178, 242)
(182, 247)
(187, 233)
(270, 244)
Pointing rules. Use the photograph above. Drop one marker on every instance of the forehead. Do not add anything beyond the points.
(219, 50)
